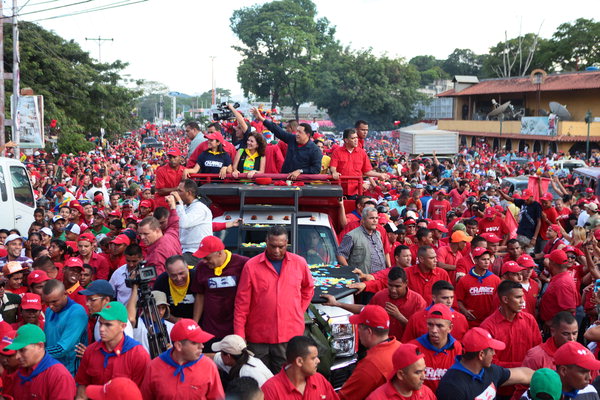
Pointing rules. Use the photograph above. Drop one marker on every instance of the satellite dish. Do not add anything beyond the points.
(560, 111)
(499, 110)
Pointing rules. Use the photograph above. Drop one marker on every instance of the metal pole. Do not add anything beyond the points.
(15, 82)
(173, 106)
(212, 58)
(2, 105)
(587, 143)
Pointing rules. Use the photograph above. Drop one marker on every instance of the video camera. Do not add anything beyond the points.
(223, 113)
(145, 275)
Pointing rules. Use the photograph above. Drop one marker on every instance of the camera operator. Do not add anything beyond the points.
(176, 284)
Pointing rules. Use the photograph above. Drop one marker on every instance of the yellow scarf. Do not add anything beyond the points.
(219, 270)
(178, 292)
(216, 153)
(251, 156)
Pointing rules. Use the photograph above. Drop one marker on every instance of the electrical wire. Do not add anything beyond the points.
(99, 8)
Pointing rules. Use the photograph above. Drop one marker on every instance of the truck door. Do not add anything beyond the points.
(6, 216)
(23, 200)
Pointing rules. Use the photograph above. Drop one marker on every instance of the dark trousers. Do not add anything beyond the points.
(272, 354)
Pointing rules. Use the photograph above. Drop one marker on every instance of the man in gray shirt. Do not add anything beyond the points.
(192, 130)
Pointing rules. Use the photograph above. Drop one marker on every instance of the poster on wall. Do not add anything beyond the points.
(30, 121)
(546, 126)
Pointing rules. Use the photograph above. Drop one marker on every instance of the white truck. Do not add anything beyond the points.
(426, 141)
(16, 196)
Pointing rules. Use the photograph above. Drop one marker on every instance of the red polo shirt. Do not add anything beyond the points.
(437, 361)
(370, 372)
(438, 209)
(417, 325)
(54, 383)
(422, 282)
(354, 163)
(101, 265)
(167, 177)
(280, 387)
(513, 334)
(496, 226)
(446, 256)
(541, 356)
(200, 381)
(477, 294)
(127, 359)
(407, 305)
(561, 295)
(388, 391)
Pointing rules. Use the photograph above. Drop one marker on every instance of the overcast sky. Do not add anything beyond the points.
(171, 41)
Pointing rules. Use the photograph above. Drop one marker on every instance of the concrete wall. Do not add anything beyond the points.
(571, 128)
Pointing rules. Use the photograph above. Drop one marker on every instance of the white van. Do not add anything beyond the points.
(17, 202)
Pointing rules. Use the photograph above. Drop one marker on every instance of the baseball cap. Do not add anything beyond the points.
(97, 180)
(511, 266)
(231, 344)
(373, 316)
(57, 218)
(558, 256)
(405, 355)
(99, 213)
(74, 262)
(574, 353)
(121, 239)
(477, 339)
(119, 388)
(59, 189)
(115, 213)
(146, 203)
(46, 231)
(573, 249)
(460, 236)
(547, 196)
(214, 136)
(31, 301)
(479, 251)
(459, 226)
(545, 380)
(37, 276)
(99, 286)
(26, 335)
(440, 311)
(174, 152)
(12, 267)
(489, 212)
(410, 221)
(12, 237)
(188, 329)
(589, 190)
(526, 194)
(491, 237)
(437, 225)
(526, 261)
(160, 298)
(7, 339)
(73, 228)
(556, 228)
(592, 206)
(209, 245)
(114, 311)
(88, 237)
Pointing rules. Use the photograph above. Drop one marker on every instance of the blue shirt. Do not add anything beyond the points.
(63, 331)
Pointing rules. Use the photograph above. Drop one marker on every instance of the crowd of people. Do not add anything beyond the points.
(466, 288)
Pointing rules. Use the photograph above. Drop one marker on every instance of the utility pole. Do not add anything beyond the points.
(2, 105)
(16, 76)
(100, 40)
(214, 94)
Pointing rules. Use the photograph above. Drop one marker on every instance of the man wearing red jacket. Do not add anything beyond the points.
(183, 372)
(41, 376)
(274, 291)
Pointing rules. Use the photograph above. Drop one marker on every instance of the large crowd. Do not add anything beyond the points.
(467, 287)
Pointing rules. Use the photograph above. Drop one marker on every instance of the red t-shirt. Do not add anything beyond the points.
(496, 226)
(458, 198)
(552, 215)
(446, 256)
(408, 305)
(417, 325)
(477, 294)
(422, 282)
(437, 362)
(438, 209)
(561, 295)
(166, 177)
(388, 391)
(280, 387)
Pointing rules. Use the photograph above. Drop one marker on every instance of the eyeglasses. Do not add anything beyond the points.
(573, 257)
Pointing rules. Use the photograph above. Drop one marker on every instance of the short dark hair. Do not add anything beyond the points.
(470, 222)
(52, 285)
(277, 230)
(399, 249)
(477, 239)
(421, 233)
(397, 273)
(190, 186)
(360, 199)
(173, 259)
(440, 285)
(133, 250)
(360, 122)
(215, 125)
(160, 212)
(193, 125)
(423, 250)
(298, 346)
(41, 262)
(117, 223)
(512, 241)
(563, 316)
(35, 251)
(505, 287)
(307, 128)
(242, 388)
(348, 132)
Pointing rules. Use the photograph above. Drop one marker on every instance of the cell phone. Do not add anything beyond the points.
(597, 286)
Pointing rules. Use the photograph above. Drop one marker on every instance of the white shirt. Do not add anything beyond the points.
(117, 280)
(195, 223)
(582, 219)
(140, 333)
(254, 368)
(90, 194)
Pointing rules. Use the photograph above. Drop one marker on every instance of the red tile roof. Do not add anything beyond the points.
(552, 83)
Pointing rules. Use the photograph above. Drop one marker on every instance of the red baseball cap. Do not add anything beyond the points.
(440, 311)
(437, 225)
(373, 316)
(31, 301)
(556, 228)
(115, 213)
(174, 152)
(558, 256)
(547, 196)
(146, 203)
(479, 251)
(410, 221)
(574, 353)
(526, 261)
(74, 262)
(405, 355)
(511, 266)
(121, 239)
(97, 180)
(120, 388)
(188, 329)
(477, 339)
(527, 194)
(37, 276)
(86, 237)
(209, 245)
(589, 190)
(7, 339)
(491, 237)
(489, 212)
(215, 136)
(573, 249)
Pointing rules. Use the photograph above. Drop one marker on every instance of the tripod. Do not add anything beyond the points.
(158, 339)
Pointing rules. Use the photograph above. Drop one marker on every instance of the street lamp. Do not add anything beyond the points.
(588, 120)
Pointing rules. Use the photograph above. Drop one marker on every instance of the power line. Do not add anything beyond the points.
(100, 8)
(53, 8)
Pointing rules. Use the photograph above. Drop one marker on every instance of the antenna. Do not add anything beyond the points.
(100, 40)
(560, 111)
(499, 110)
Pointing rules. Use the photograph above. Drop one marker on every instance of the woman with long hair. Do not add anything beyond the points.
(214, 160)
(251, 160)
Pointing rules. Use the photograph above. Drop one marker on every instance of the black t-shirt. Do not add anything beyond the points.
(241, 143)
(530, 213)
(460, 384)
(184, 309)
(212, 163)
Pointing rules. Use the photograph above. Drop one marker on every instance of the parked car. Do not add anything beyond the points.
(151, 142)
(520, 183)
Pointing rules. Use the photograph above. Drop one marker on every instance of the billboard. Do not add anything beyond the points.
(546, 126)
(30, 122)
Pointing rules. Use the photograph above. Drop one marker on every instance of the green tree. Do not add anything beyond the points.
(577, 44)
(517, 57)
(462, 62)
(77, 91)
(282, 41)
(358, 85)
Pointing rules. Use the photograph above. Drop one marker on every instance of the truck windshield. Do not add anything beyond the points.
(21, 186)
(315, 243)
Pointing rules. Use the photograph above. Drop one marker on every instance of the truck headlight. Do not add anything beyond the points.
(343, 342)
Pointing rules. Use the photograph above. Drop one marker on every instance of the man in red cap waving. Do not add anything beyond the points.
(183, 372)
(473, 376)
(407, 380)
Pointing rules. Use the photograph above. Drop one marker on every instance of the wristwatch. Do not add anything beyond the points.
(301, 171)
